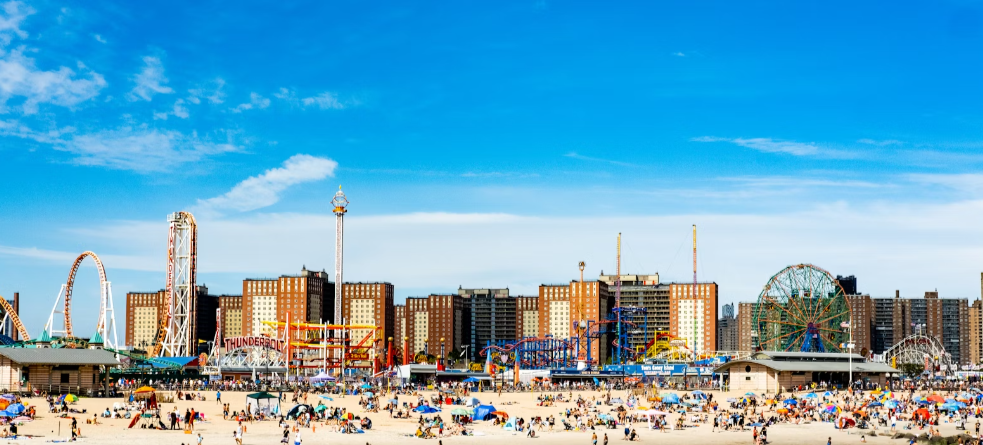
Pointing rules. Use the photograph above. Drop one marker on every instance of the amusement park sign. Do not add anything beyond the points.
(264, 342)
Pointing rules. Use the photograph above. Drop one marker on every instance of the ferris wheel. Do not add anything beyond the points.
(802, 309)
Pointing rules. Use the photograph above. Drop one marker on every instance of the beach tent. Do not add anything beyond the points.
(262, 402)
(297, 410)
(509, 425)
(471, 401)
(322, 377)
(16, 408)
(670, 398)
(426, 409)
(483, 412)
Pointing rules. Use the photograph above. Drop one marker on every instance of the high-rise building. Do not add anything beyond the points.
(143, 310)
(862, 323)
(492, 319)
(745, 326)
(428, 319)
(849, 284)
(526, 317)
(947, 319)
(231, 307)
(727, 329)
(399, 324)
(644, 291)
(975, 314)
(565, 309)
(299, 298)
(693, 314)
(369, 304)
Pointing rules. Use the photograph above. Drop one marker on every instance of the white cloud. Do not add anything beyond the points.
(574, 155)
(14, 128)
(264, 190)
(255, 101)
(150, 80)
(20, 78)
(14, 12)
(324, 101)
(769, 145)
(679, 54)
(141, 149)
(99, 38)
(179, 110)
(880, 143)
(211, 91)
(966, 182)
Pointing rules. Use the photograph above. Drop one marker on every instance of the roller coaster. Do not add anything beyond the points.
(535, 352)
(65, 336)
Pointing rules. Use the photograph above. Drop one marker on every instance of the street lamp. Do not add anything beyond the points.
(467, 352)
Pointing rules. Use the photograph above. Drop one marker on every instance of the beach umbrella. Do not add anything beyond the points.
(812, 395)
(10, 397)
(366, 386)
(501, 414)
(891, 404)
(23, 419)
(875, 404)
(670, 398)
(327, 398)
(16, 408)
(461, 412)
(949, 407)
(732, 400)
(749, 394)
(697, 393)
(921, 412)
(144, 389)
(790, 402)
(369, 394)
(846, 422)
(320, 408)
(6, 413)
(70, 398)
(935, 398)
(827, 394)
(832, 409)
(924, 402)
(755, 424)
(782, 411)
(471, 380)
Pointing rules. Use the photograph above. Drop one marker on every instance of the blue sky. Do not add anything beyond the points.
(491, 143)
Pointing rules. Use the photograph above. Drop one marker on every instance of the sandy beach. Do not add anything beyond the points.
(386, 430)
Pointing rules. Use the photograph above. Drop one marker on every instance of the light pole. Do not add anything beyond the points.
(467, 352)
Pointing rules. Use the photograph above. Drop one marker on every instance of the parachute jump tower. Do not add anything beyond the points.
(175, 336)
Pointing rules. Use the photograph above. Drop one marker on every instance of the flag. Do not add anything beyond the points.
(845, 324)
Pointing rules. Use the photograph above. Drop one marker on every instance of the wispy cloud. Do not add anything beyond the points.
(14, 12)
(264, 190)
(325, 101)
(99, 38)
(179, 110)
(574, 155)
(20, 78)
(965, 182)
(150, 81)
(880, 143)
(210, 91)
(769, 145)
(141, 149)
(679, 54)
(255, 101)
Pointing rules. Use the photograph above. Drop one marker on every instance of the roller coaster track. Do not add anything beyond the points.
(9, 310)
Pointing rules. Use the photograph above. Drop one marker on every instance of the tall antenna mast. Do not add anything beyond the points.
(582, 265)
(617, 283)
(695, 315)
